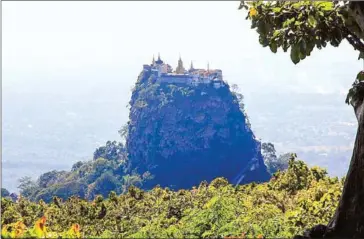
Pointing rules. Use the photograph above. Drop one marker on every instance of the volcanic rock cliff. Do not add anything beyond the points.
(185, 134)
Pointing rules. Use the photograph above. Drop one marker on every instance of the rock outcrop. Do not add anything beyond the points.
(185, 134)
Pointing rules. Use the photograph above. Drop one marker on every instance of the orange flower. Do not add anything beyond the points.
(75, 230)
(76, 227)
(260, 236)
(40, 225)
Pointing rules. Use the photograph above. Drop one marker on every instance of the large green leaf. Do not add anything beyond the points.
(277, 9)
(276, 34)
(288, 22)
(326, 6)
(360, 76)
(273, 47)
(312, 21)
(303, 47)
(295, 54)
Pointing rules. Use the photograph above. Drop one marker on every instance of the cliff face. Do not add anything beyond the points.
(183, 135)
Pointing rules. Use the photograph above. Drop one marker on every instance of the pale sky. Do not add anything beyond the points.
(58, 42)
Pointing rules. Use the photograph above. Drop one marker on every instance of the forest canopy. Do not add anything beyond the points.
(289, 202)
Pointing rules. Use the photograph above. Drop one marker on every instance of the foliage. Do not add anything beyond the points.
(271, 160)
(111, 151)
(111, 170)
(280, 208)
(20, 230)
(27, 186)
(303, 25)
(106, 172)
(169, 136)
(124, 132)
(357, 91)
(5, 192)
(239, 98)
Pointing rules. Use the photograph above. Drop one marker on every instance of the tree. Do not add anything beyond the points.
(5, 192)
(131, 180)
(282, 161)
(301, 26)
(27, 186)
(106, 183)
(240, 100)
(111, 151)
(50, 178)
(271, 160)
(123, 132)
(269, 156)
(77, 166)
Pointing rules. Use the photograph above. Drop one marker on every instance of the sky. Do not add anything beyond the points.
(60, 43)
(55, 52)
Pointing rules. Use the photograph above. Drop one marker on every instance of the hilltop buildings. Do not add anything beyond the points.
(164, 74)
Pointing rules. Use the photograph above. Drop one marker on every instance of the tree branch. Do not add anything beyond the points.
(354, 40)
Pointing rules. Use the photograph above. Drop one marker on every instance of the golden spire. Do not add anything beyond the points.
(153, 61)
(180, 62)
(180, 69)
(159, 61)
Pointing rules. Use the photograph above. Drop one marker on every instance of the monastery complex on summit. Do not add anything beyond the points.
(164, 74)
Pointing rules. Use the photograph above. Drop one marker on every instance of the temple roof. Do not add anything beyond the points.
(159, 61)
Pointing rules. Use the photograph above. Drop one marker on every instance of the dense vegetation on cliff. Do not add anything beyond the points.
(177, 136)
(292, 200)
(201, 131)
